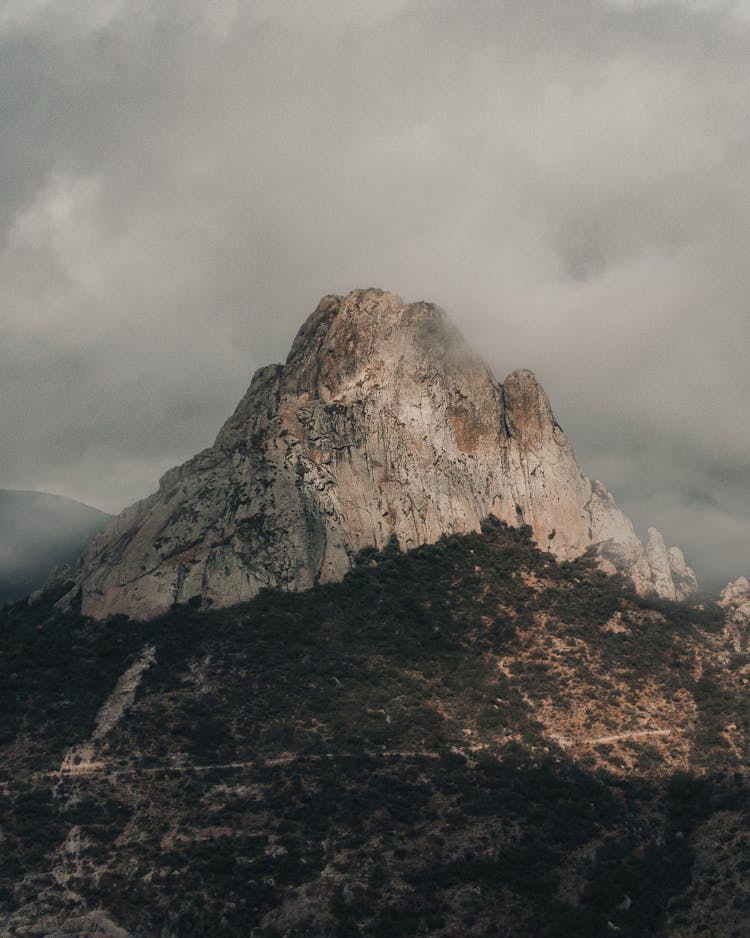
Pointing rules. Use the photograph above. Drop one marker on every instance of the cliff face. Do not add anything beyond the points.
(382, 422)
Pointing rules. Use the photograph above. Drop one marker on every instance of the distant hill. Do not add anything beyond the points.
(38, 532)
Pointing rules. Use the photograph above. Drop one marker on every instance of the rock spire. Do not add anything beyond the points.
(381, 422)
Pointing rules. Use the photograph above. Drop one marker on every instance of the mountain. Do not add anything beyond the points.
(469, 738)
(38, 532)
(382, 661)
(381, 424)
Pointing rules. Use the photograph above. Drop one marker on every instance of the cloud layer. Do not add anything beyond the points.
(569, 179)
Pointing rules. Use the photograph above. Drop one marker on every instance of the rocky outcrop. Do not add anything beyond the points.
(670, 576)
(734, 599)
(381, 423)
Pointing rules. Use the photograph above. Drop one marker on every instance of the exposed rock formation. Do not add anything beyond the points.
(735, 601)
(735, 597)
(382, 422)
(670, 575)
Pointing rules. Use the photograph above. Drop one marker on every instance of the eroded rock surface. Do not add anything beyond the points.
(735, 597)
(735, 601)
(381, 423)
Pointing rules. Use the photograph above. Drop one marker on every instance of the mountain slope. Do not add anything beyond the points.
(38, 532)
(470, 738)
(381, 423)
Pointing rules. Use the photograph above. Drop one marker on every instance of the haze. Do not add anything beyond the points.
(181, 182)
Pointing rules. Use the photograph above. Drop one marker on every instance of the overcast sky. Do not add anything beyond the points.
(569, 179)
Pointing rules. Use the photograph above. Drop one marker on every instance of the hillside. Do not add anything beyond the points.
(38, 532)
(471, 738)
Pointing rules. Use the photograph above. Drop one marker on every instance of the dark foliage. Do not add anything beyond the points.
(299, 765)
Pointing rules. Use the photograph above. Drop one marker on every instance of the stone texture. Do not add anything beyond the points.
(736, 593)
(683, 578)
(382, 422)
(735, 601)
(96, 924)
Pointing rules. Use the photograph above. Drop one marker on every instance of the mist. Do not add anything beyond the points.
(39, 532)
(569, 180)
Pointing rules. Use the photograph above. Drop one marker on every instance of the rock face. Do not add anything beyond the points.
(735, 601)
(736, 594)
(381, 423)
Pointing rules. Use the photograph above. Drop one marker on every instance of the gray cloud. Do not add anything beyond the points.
(570, 180)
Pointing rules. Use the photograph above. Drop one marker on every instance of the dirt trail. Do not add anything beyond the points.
(89, 767)
(566, 741)
(71, 770)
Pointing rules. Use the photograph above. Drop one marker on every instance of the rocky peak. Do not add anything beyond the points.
(528, 412)
(735, 599)
(670, 574)
(381, 423)
(347, 334)
(735, 593)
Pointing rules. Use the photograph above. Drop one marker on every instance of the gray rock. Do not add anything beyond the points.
(735, 599)
(382, 422)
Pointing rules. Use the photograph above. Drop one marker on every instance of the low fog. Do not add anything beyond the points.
(570, 180)
(37, 533)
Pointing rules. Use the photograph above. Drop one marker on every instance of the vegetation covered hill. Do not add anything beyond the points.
(468, 739)
(38, 532)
